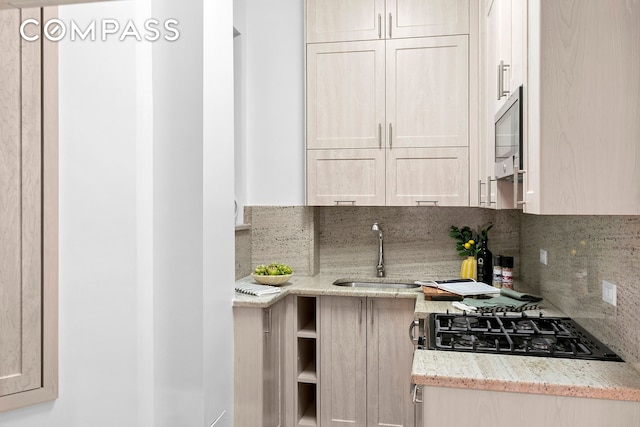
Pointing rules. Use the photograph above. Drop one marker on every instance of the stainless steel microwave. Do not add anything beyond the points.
(508, 139)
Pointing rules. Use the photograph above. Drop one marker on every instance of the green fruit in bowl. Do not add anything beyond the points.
(273, 269)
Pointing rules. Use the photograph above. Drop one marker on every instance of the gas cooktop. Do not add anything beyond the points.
(518, 335)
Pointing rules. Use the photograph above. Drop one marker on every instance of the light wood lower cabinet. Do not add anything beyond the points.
(261, 350)
(451, 407)
(365, 362)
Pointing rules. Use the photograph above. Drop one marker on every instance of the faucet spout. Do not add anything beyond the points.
(380, 267)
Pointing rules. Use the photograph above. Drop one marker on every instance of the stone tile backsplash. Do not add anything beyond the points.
(416, 239)
(582, 251)
(339, 240)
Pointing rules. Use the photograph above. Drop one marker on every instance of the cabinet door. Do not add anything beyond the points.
(273, 379)
(508, 21)
(343, 355)
(428, 176)
(259, 345)
(418, 18)
(518, 44)
(20, 209)
(428, 92)
(389, 360)
(489, 100)
(340, 20)
(345, 95)
(345, 177)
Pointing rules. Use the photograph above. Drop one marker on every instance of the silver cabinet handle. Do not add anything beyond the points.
(489, 181)
(390, 24)
(499, 85)
(480, 184)
(390, 135)
(516, 175)
(360, 313)
(412, 326)
(339, 202)
(502, 67)
(415, 393)
(433, 202)
(268, 313)
(371, 309)
(379, 135)
(379, 25)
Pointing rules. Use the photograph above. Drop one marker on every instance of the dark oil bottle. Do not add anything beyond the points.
(485, 263)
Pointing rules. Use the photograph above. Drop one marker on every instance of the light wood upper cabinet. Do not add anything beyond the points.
(507, 19)
(503, 70)
(421, 18)
(28, 212)
(428, 176)
(345, 95)
(583, 115)
(346, 177)
(428, 92)
(368, 98)
(339, 20)
(365, 362)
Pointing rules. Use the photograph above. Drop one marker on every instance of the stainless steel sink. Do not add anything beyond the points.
(376, 285)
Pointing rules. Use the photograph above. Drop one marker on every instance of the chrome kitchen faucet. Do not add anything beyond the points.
(380, 266)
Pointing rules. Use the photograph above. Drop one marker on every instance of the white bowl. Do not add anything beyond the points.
(271, 280)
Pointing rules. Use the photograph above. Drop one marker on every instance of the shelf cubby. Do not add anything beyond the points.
(307, 362)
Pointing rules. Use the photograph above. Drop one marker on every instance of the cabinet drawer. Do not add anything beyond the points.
(428, 177)
(345, 177)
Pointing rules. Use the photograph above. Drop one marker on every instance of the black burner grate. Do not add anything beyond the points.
(520, 335)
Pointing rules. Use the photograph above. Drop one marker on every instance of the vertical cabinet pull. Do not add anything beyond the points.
(480, 184)
(390, 24)
(390, 135)
(415, 392)
(371, 309)
(268, 314)
(380, 135)
(502, 67)
(360, 313)
(489, 181)
(379, 25)
(516, 176)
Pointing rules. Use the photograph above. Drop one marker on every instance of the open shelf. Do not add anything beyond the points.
(306, 315)
(307, 405)
(308, 374)
(307, 369)
(308, 330)
(306, 358)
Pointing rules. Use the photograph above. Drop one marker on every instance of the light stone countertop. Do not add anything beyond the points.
(522, 374)
(323, 285)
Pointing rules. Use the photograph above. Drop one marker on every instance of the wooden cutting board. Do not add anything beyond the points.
(433, 294)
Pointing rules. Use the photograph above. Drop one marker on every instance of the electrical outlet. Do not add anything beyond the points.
(543, 257)
(609, 292)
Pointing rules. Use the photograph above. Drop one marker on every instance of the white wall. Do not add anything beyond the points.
(274, 100)
(146, 226)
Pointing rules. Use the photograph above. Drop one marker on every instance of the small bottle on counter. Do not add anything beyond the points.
(497, 271)
(485, 268)
(507, 272)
